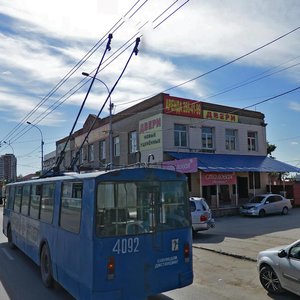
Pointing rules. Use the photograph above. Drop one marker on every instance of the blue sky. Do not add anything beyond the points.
(41, 41)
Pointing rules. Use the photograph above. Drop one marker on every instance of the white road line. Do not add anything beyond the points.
(7, 254)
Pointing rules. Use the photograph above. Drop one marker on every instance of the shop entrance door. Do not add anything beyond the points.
(242, 183)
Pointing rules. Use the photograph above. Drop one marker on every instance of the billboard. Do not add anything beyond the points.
(150, 133)
(182, 107)
(187, 165)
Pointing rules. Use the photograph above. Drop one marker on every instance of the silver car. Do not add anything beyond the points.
(261, 205)
(201, 215)
(279, 269)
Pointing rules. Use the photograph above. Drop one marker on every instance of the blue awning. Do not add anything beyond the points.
(236, 163)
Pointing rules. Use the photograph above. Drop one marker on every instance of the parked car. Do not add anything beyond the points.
(261, 205)
(279, 269)
(201, 215)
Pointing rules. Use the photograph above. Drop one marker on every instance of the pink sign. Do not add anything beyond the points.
(188, 165)
(218, 178)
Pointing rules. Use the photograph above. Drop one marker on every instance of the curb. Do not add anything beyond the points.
(227, 253)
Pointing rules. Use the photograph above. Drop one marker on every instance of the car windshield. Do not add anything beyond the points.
(204, 205)
(257, 199)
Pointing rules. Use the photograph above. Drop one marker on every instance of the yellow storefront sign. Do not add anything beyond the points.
(220, 116)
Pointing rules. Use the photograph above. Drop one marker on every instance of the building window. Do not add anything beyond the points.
(81, 156)
(207, 138)
(231, 139)
(252, 141)
(180, 135)
(132, 142)
(91, 152)
(116, 146)
(102, 150)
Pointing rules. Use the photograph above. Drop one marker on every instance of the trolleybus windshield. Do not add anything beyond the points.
(125, 208)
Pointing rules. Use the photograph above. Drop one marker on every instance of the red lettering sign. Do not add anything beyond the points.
(182, 107)
(218, 178)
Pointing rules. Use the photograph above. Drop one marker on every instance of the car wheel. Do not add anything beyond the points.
(269, 280)
(262, 213)
(46, 269)
(285, 211)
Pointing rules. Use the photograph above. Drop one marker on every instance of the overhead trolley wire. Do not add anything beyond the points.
(215, 69)
(59, 102)
(62, 154)
(134, 51)
(113, 29)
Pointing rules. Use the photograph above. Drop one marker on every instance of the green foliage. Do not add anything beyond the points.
(270, 148)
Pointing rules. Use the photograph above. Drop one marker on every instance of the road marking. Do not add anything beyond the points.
(7, 254)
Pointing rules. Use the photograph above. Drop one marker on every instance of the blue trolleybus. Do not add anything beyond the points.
(120, 234)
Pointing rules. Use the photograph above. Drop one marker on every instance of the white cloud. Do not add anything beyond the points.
(294, 106)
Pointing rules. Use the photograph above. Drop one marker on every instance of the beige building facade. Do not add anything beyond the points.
(222, 150)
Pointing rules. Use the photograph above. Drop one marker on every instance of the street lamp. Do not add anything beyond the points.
(111, 105)
(42, 144)
(8, 144)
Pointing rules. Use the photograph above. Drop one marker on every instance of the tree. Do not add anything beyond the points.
(270, 148)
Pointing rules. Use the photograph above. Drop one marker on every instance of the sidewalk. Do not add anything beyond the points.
(244, 237)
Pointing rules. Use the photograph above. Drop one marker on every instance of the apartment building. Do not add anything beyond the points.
(8, 168)
(222, 149)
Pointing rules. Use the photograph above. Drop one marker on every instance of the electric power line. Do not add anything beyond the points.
(56, 106)
(72, 71)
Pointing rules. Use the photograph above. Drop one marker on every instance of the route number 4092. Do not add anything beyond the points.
(130, 245)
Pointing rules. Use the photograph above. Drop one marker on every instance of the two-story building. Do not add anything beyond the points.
(222, 150)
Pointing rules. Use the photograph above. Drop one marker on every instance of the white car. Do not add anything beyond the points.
(264, 204)
(279, 269)
(201, 215)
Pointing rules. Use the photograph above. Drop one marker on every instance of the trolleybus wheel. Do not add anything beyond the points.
(11, 245)
(46, 269)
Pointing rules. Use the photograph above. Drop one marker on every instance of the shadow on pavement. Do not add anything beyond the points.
(284, 296)
(159, 297)
(240, 227)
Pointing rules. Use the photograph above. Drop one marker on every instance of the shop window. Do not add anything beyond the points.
(254, 180)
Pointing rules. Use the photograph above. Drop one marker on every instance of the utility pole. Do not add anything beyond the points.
(111, 106)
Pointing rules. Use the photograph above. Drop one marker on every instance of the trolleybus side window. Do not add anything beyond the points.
(25, 199)
(18, 198)
(35, 201)
(10, 195)
(71, 202)
(47, 202)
